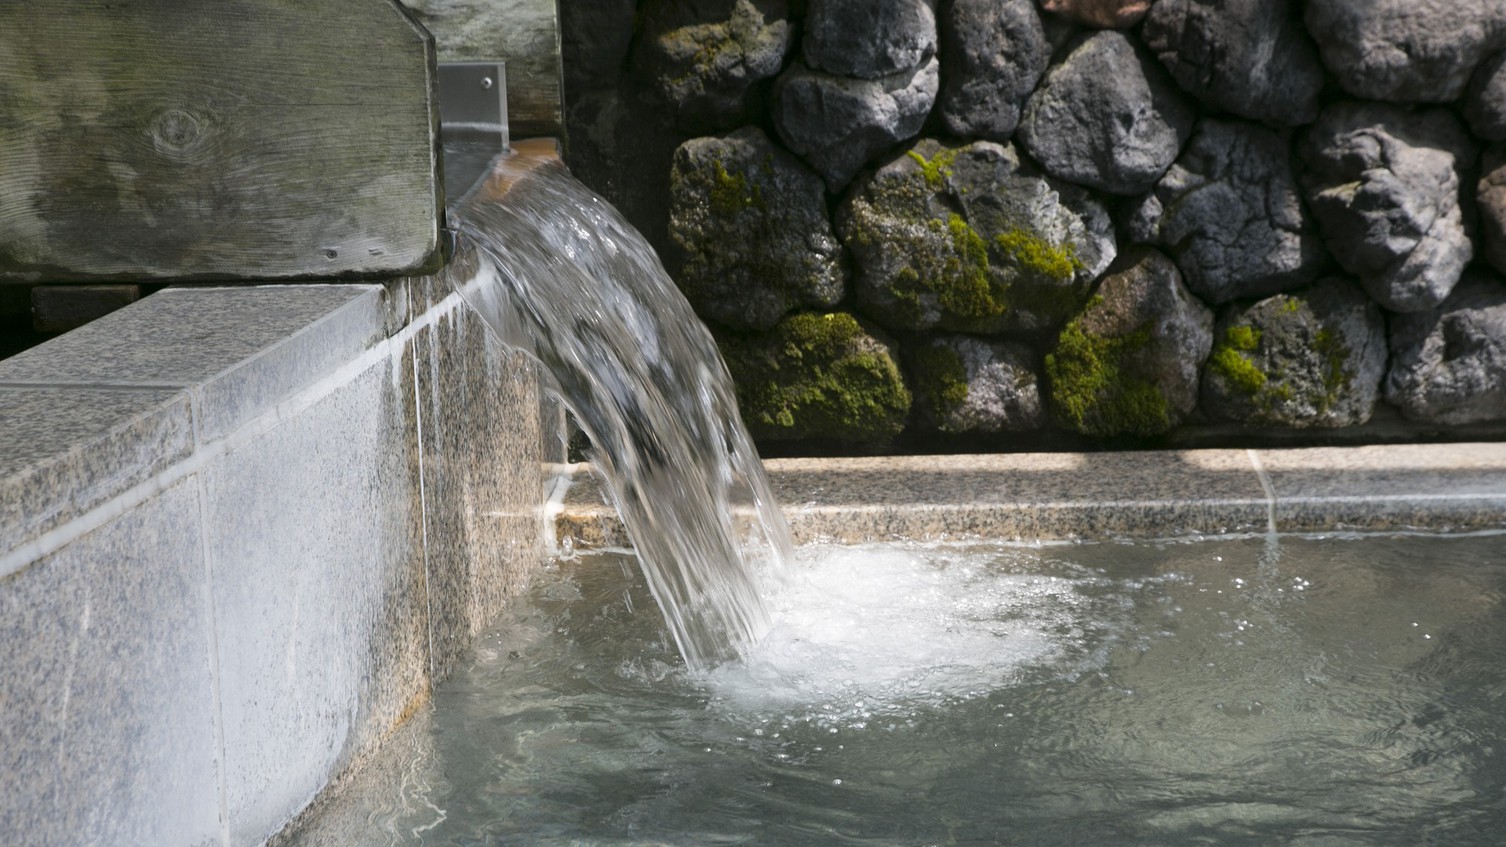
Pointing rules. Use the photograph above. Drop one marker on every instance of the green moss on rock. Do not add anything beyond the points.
(730, 193)
(1044, 280)
(1291, 359)
(942, 372)
(970, 292)
(1092, 390)
(1337, 373)
(1244, 338)
(750, 232)
(1037, 255)
(817, 377)
(947, 261)
(1229, 360)
(936, 170)
(949, 238)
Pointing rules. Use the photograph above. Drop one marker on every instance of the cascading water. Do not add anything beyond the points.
(557, 272)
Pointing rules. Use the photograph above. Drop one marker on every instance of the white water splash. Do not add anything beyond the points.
(866, 631)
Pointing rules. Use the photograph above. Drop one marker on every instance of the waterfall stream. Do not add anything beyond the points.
(557, 272)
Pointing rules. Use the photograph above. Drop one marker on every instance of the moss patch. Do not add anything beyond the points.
(1230, 361)
(934, 261)
(948, 260)
(944, 375)
(965, 287)
(730, 192)
(1093, 393)
(936, 170)
(1037, 255)
(1337, 375)
(1246, 338)
(817, 376)
(1306, 373)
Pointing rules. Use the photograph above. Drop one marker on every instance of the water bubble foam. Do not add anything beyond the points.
(865, 631)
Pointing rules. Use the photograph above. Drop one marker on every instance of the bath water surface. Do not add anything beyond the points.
(1334, 691)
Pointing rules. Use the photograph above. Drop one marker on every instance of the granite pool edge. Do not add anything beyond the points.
(244, 532)
(1143, 494)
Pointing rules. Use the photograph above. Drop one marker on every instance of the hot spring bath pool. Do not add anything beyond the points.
(1249, 690)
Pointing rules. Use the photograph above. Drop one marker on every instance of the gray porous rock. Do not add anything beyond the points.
(1250, 57)
(869, 40)
(1485, 102)
(1448, 365)
(963, 383)
(750, 231)
(1139, 219)
(1309, 358)
(1129, 362)
(706, 57)
(1407, 51)
(594, 41)
(994, 53)
(1383, 182)
(1100, 14)
(837, 123)
(1108, 116)
(1491, 197)
(1232, 214)
(959, 239)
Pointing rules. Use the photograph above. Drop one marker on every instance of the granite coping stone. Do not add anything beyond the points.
(176, 336)
(318, 449)
(285, 337)
(107, 407)
(1149, 494)
(70, 450)
(1422, 486)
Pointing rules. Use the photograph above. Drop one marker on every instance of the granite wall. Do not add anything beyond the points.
(243, 533)
(941, 223)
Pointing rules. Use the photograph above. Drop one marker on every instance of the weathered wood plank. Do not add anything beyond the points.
(523, 33)
(159, 139)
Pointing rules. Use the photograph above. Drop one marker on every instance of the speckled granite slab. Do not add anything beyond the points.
(1152, 494)
(239, 348)
(1423, 486)
(101, 409)
(284, 509)
(68, 451)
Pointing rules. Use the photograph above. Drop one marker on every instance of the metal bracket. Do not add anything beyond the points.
(472, 122)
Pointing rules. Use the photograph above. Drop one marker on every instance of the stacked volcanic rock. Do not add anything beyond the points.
(1105, 217)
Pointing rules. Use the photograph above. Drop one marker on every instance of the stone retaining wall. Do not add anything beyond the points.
(243, 533)
(926, 223)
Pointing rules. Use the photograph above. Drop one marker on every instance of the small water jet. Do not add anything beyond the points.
(554, 270)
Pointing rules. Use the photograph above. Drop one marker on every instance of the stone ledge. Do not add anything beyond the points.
(243, 532)
(1152, 494)
(101, 409)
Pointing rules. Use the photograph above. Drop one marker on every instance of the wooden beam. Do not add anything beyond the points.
(523, 33)
(214, 139)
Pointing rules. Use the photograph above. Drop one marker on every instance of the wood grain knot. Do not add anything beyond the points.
(177, 133)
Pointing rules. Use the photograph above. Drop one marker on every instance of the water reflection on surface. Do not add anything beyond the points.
(1230, 692)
